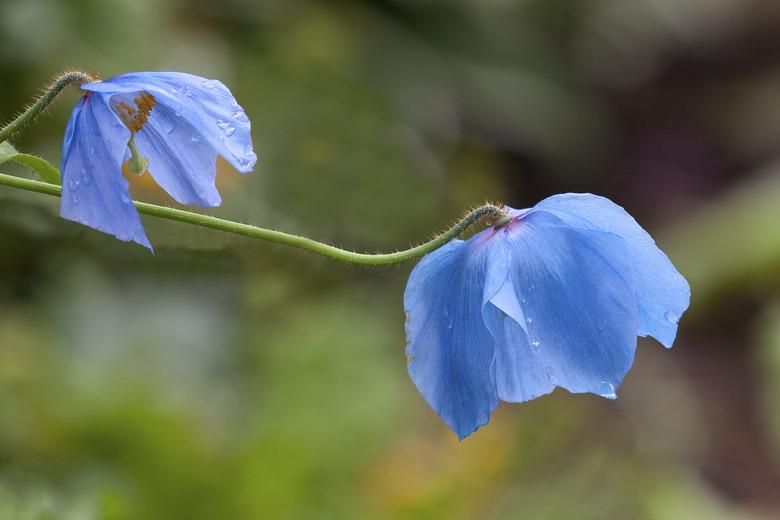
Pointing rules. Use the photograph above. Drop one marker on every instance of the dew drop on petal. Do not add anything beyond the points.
(74, 183)
(227, 128)
(601, 326)
(195, 139)
(535, 344)
(529, 320)
(670, 317)
(124, 198)
(240, 116)
(553, 379)
(208, 84)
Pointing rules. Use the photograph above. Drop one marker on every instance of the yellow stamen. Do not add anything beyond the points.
(133, 118)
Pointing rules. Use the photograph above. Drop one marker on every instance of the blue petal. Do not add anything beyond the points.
(662, 293)
(576, 291)
(94, 192)
(180, 161)
(520, 374)
(206, 104)
(450, 350)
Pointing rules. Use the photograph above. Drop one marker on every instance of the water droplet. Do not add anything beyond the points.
(529, 320)
(240, 116)
(601, 326)
(208, 84)
(125, 198)
(187, 91)
(553, 379)
(227, 128)
(74, 183)
(535, 344)
(177, 114)
(670, 317)
(92, 151)
(195, 139)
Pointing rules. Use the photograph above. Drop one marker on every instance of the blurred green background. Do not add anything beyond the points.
(226, 378)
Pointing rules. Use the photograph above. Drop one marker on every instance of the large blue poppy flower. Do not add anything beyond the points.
(171, 124)
(555, 297)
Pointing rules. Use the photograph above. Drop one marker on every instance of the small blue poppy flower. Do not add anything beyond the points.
(555, 297)
(171, 124)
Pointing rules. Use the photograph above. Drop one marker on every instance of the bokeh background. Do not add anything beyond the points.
(227, 378)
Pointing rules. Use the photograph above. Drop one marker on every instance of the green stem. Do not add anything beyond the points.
(49, 94)
(495, 214)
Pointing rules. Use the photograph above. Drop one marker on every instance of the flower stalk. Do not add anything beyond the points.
(492, 213)
(51, 92)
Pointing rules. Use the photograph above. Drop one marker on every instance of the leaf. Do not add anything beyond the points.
(39, 165)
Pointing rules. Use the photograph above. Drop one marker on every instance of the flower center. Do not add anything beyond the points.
(135, 117)
(134, 113)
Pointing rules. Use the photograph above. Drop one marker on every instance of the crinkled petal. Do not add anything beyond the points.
(662, 293)
(94, 192)
(180, 160)
(206, 104)
(576, 290)
(450, 350)
(520, 374)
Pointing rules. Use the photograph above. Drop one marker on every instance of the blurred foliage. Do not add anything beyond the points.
(224, 378)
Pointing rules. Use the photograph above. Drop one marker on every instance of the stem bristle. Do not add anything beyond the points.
(49, 94)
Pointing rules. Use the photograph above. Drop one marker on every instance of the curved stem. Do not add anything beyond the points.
(494, 213)
(50, 94)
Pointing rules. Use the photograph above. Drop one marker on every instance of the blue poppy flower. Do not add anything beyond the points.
(171, 124)
(555, 297)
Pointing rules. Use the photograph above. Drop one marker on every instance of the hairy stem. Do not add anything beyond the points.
(493, 213)
(50, 94)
